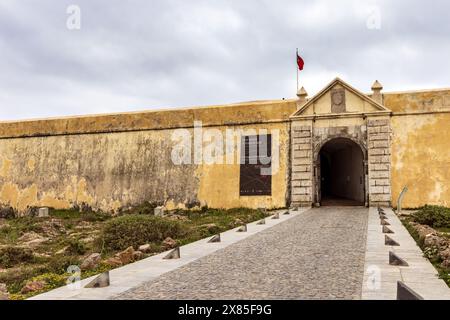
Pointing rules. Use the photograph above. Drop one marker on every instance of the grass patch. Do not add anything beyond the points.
(433, 216)
(12, 256)
(134, 230)
(71, 215)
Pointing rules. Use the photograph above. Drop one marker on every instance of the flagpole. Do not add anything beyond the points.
(296, 65)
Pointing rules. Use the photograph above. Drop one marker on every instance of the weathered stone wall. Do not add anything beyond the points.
(418, 101)
(301, 176)
(111, 169)
(112, 161)
(378, 137)
(103, 171)
(420, 159)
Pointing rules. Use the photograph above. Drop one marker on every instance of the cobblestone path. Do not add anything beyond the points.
(316, 255)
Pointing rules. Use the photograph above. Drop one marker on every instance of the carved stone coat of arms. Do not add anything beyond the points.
(338, 100)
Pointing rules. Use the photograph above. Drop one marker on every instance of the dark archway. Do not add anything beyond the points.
(341, 173)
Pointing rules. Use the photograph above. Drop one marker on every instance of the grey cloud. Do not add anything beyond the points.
(150, 54)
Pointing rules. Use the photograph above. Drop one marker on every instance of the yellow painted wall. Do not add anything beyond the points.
(114, 161)
(219, 184)
(427, 100)
(117, 169)
(420, 156)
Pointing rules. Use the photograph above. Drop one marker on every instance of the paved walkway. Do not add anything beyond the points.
(380, 278)
(318, 254)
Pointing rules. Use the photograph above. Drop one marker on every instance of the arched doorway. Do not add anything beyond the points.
(340, 170)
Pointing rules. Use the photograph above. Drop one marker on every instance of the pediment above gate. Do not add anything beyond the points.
(338, 97)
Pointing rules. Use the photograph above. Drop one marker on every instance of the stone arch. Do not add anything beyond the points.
(360, 143)
(362, 171)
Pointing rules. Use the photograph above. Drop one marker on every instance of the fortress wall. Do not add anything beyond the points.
(420, 155)
(114, 161)
(418, 101)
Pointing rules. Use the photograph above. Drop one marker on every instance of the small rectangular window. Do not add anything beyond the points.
(256, 160)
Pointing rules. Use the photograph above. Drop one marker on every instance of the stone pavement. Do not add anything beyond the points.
(318, 254)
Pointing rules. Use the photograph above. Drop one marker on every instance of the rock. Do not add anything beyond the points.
(31, 239)
(43, 212)
(446, 263)
(91, 261)
(211, 227)
(62, 251)
(52, 228)
(445, 254)
(159, 211)
(433, 240)
(41, 255)
(137, 255)
(113, 262)
(89, 239)
(423, 230)
(169, 243)
(145, 248)
(7, 212)
(33, 286)
(4, 295)
(177, 217)
(126, 256)
(82, 225)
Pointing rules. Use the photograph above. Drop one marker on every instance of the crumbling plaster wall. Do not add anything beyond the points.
(421, 159)
(128, 162)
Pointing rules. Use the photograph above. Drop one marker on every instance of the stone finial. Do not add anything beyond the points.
(376, 89)
(301, 94)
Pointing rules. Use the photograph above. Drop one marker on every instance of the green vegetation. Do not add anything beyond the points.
(134, 230)
(36, 249)
(11, 256)
(437, 217)
(433, 216)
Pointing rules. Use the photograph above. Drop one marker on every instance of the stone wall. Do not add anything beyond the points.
(378, 136)
(301, 176)
(420, 159)
(110, 162)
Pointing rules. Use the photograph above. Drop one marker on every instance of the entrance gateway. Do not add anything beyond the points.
(340, 148)
(341, 173)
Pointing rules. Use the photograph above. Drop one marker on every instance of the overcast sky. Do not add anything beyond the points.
(139, 55)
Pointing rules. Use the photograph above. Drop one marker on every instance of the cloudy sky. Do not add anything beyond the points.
(138, 55)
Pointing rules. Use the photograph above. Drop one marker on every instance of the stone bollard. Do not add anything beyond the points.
(385, 229)
(243, 228)
(215, 238)
(263, 221)
(388, 241)
(43, 212)
(406, 293)
(100, 282)
(174, 254)
(395, 260)
(159, 211)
